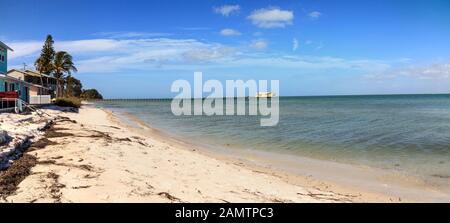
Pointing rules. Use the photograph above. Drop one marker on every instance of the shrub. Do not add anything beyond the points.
(68, 102)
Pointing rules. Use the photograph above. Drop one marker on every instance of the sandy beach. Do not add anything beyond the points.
(93, 156)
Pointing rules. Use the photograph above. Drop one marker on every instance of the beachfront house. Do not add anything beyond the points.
(7, 98)
(10, 86)
(16, 87)
(44, 84)
(39, 87)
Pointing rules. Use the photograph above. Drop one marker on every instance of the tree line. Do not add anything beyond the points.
(60, 65)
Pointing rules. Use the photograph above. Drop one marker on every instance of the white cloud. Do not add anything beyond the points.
(311, 63)
(271, 18)
(294, 44)
(23, 49)
(200, 55)
(125, 35)
(227, 10)
(436, 71)
(31, 48)
(142, 55)
(229, 32)
(92, 45)
(316, 45)
(314, 15)
(106, 55)
(259, 44)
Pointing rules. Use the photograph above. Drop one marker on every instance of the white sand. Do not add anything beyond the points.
(105, 161)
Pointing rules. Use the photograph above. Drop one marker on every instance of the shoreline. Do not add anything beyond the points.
(94, 156)
(361, 183)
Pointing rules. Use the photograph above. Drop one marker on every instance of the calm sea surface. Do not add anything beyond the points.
(408, 133)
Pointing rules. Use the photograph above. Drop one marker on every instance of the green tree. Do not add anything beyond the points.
(44, 64)
(63, 65)
(91, 94)
(73, 87)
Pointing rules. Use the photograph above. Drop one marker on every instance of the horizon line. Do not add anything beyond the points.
(287, 96)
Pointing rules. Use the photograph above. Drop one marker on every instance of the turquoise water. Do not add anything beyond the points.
(408, 133)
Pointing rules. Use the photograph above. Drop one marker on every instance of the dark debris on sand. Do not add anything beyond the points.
(11, 177)
(169, 196)
(18, 171)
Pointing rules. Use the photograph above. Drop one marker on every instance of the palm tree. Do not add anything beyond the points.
(62, 65)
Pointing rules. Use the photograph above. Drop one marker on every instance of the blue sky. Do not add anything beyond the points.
(136, 49)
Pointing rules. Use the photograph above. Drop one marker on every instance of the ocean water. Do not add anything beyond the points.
(409, 133)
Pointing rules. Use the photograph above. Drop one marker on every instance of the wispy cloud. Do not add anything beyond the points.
(316, 45)
(194, 28)
(106, 55)
(294, 44)
(320, 46)
(24, 49)
(92, 45)
(259, 44)
(230, 32)
(142, 55)
(201, 55)
(32, 48)
(314, 15)
(122, 35)
(313, 63)
(227, 10)
(435, 71)
(271, 17)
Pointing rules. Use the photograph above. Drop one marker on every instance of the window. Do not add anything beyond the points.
(2, 56)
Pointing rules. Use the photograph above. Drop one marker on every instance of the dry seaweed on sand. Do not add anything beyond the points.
(18, 171)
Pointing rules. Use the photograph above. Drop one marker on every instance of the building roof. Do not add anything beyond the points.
(31, 73)
(38, 74)
(2, 76)
(5, 46)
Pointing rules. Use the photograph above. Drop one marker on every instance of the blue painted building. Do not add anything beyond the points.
(5, 83)
(10, 83)
(22, 82)
(4, 57)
